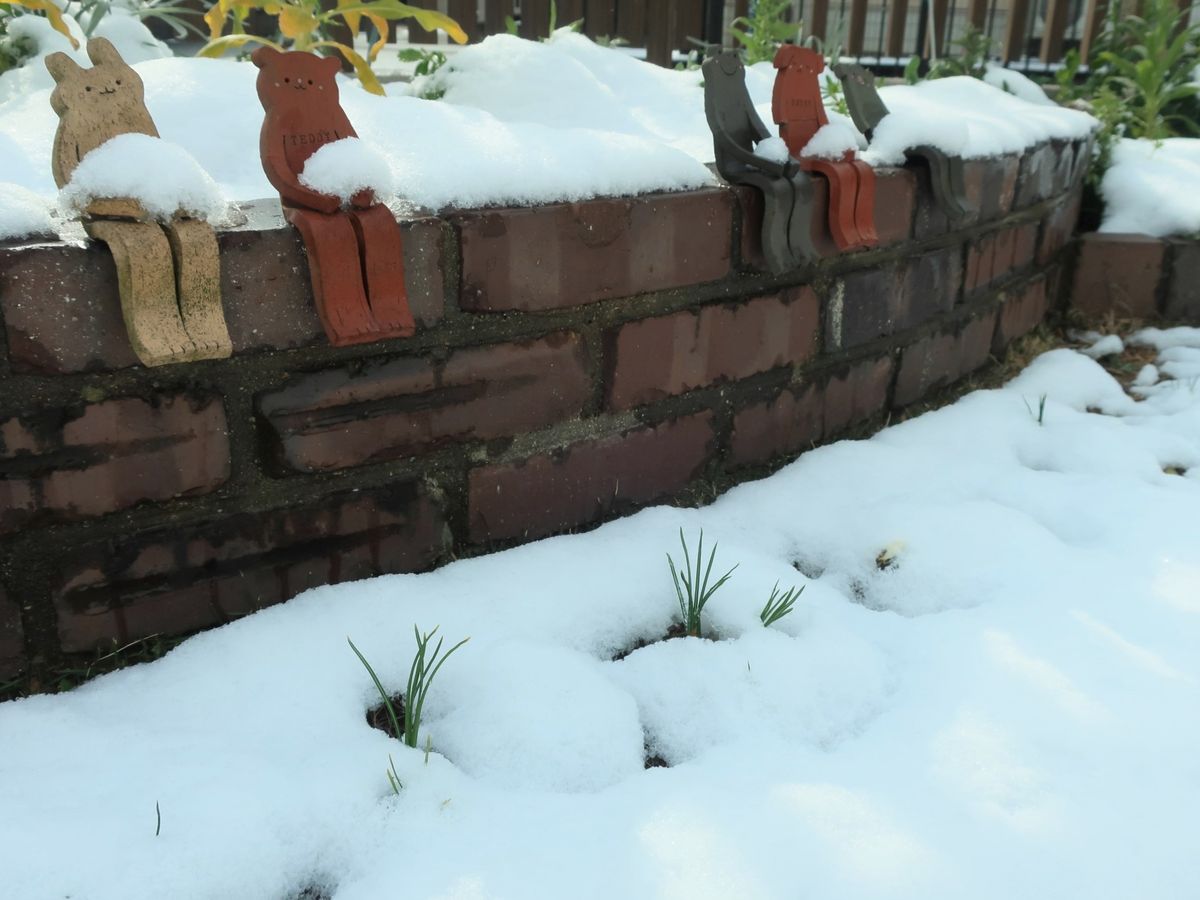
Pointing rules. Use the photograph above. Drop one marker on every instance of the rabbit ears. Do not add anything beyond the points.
(99, 50)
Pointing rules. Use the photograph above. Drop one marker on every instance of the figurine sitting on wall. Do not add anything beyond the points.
(868, 110)
(356, 257)
(168, 275)
(797, 108)
(737, 129)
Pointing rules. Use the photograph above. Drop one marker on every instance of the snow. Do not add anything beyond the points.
(160, 175)
(831, 141)
(343, 168)
(1007, 709)
(132, 39)
(1108, 345)
(773, 149)
(967, 117)
(1016, 84)
(1150, 188)
(23, 213)
(520, 122)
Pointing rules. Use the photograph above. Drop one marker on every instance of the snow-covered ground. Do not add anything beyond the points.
(1153, 187)
(1010, 708)
(520, 122)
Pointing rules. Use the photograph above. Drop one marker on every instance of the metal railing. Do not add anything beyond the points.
(1028, 34)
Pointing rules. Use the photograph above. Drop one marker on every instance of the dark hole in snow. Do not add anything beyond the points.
(809, 570)
(313, 892)
(1174, 470)
(675, 631)
(377, 716)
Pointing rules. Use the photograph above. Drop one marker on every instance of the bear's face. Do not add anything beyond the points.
(109, 87)
(295, 79)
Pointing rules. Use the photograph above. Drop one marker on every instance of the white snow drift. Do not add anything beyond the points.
(1008, 709)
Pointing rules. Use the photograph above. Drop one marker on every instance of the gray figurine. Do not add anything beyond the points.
(868, 110)
(787, 191)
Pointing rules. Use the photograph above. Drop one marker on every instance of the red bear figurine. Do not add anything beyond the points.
(797, 108)
(356, 258)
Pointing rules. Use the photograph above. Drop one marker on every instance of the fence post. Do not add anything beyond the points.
(1014, 34)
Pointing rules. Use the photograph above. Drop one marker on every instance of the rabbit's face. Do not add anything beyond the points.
(110, 85)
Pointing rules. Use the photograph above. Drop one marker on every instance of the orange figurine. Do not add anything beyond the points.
(355, 257)
(797, 108)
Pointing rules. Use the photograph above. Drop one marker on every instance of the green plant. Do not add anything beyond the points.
(1151, 64)
(428, 62)
(832, 92)
(693, 589)
(157, 819)
(974, 51)
(764, 30)
(779, 605)
(305, 25)
(1040, 417)
(393, 778)
(425, 666)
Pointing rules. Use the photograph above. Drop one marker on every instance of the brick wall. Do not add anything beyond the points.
(575, 362)
(1139, 277)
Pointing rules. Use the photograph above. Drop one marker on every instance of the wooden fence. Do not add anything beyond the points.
(1028, 34)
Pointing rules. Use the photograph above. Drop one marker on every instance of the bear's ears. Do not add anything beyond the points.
(264, 56)
(101, 52)
(267, 56)
(62, 67)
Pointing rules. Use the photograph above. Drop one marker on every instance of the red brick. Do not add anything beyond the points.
(102, 457)
(1024, 245)
(551, 257)
(1037, 180)
(866, 305)
(933, 284)
(586, 481)
(980, 256)
(194, 577)
(62, 310)
(790, 423)
(1118, 274)
(943, 358)
(12, 638)
(1023, 311)
(344, 417)
(668, 355)
(1059, 226)
(1183, 291)
(990, 186)
(895, 204)
(856, 394)
(1005, 244)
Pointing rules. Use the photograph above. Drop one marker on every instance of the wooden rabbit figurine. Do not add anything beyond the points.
(356, 257)
(168, 275)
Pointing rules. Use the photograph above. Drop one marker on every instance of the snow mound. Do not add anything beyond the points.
(1071, 379)
(1150, 188)
(1017, 84)
(967, 117)
(773, 149)
(162, 176)
(831, 141)
(22, 213)
(343, 168)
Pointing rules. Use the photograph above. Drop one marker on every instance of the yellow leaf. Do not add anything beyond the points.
(296, 23)
(215, 17)
(217, 46)
(353, 20)
(381, 26)
(53, 13)
(393, 9)
(361, 67)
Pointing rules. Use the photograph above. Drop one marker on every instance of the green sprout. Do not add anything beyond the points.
(693, 590)
(779, 605)
(425, 666)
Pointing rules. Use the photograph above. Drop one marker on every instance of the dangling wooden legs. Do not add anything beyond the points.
(198, 286)
(356, 261)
